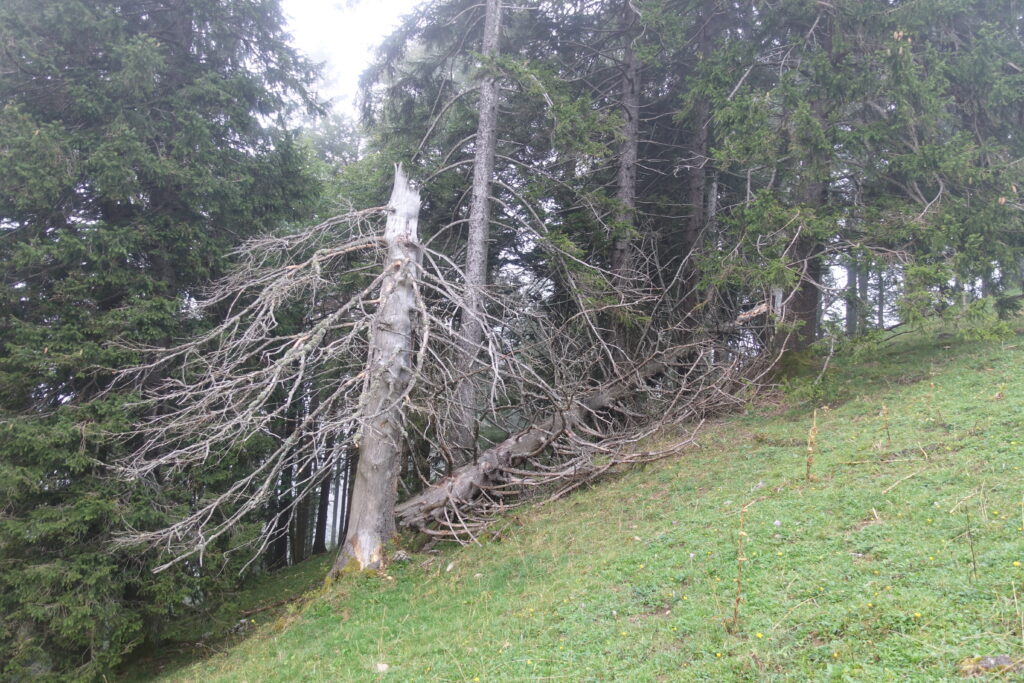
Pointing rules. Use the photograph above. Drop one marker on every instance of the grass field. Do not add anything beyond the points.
(899, 560)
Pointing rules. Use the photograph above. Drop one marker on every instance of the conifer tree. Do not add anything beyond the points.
(139, 145)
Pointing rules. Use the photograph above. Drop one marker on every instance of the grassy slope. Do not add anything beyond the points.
(865, 573)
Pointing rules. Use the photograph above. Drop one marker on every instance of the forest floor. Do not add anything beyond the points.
(900, 559)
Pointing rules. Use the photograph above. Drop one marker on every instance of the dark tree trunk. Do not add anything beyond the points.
(389, 370)
(880, 300)
(300, 526)
(697, 180)
(323, 509)
(278, 549)
(805, 305)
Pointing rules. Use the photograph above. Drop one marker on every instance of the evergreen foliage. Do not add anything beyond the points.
(140, 142)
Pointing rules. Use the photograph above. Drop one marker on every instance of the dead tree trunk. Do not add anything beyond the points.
(463, 436)
(388, 373)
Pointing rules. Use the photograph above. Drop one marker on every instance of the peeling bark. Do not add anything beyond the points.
(389, 371)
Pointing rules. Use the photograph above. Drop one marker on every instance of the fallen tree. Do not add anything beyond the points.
(463, 503)
(375, 366)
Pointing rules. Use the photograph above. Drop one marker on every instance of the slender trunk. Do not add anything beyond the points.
(698, 175)
(625, 181)
(463, 436)
(339, 482)
(863, 281)
(852, 301)
(349, 474)
(880, 301)
(278, 556)
(323, 509)
(389, 368)
(300, 526)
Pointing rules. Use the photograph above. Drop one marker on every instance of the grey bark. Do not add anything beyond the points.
(880, 301)
(388, 373)
(698, 176)
(463, 436)
(852, 300)
(628, 148)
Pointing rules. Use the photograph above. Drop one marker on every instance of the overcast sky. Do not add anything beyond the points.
(342, 33)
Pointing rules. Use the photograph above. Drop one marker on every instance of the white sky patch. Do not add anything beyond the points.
(344, 35)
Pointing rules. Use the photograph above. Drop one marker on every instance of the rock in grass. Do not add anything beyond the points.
(997, 664)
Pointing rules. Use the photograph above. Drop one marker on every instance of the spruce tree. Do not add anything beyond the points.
(140, 142)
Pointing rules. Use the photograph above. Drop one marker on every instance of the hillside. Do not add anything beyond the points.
(901, 559)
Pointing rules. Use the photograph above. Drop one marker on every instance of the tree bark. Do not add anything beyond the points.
(698, 176)
(463, 434)
(625, 182)
(277, 557)
(388, 373)
(300, 518)
(323, 509)
(880, 301)
(853, 303)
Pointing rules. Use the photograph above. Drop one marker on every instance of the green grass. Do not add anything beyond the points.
(865, 573)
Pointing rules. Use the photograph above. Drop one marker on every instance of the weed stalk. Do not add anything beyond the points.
(740, 559)
(970, 543)
(812, 444)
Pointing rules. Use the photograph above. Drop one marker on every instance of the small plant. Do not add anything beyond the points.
(741, 538)
(812, 445)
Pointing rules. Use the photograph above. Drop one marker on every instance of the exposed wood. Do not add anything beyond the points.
(389, 371)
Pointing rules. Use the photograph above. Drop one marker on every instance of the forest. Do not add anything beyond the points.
(239, 329)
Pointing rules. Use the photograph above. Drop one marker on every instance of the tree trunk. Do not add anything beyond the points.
(463, 434)
(323, 509)
(389, 368)
(340, 480)
(625, 181)
(852, 300)
(300, 518)
(880, 301)
(277, 557)
(805, 305)
(698, 176)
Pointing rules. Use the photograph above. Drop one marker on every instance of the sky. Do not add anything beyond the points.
(343, 34)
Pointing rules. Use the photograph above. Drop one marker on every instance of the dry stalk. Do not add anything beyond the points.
(970, 543)
(812, 444)
(741, 539)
